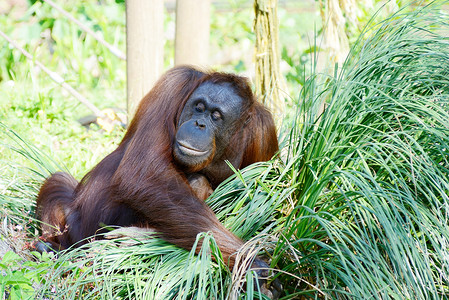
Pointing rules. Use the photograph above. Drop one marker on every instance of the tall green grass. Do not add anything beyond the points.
(356, 208)
(370, 219)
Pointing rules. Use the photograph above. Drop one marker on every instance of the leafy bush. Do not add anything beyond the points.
(21, 278)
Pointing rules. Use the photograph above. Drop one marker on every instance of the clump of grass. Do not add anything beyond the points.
(150, 268)
(138, 268)
(370, 219)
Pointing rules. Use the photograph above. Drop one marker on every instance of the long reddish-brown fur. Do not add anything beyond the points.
(139, 184)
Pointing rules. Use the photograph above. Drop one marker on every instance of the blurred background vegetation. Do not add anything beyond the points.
(46, 115)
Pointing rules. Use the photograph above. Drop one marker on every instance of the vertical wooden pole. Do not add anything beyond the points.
(144, 47)
(192, 32)
(270, 85)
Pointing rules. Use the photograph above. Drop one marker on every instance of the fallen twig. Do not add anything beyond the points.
(114, 50)
(56, 77)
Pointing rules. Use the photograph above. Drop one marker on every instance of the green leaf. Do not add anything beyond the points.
(10, 257)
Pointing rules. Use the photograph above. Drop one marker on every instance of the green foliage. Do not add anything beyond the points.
(370, 217)
(20, 278)
(37, 108)
(139, 268)
(30, 100)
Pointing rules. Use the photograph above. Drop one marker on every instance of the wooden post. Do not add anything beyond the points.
(270, 85)
(144, 47)
(192, 32)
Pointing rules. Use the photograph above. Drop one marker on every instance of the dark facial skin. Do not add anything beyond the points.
(206, 125)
